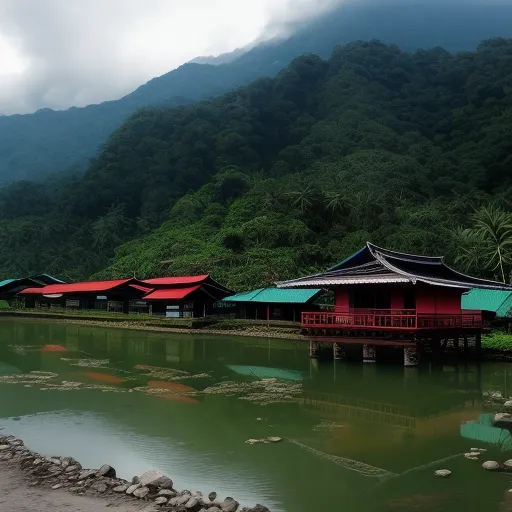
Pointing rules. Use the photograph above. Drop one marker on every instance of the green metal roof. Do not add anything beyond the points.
(275, 295)
(6, 282)
(488, 300)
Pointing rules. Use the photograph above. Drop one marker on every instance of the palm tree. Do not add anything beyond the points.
(494, 225)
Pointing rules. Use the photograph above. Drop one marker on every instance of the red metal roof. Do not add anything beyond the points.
(171, 293)
(141, 288)
(87, 287)
(172, 281)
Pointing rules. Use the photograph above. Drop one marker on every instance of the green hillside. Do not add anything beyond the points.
(283, 176)
(35, 145)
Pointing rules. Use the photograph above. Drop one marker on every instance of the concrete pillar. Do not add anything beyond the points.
(369, 354)
(337, 350)
(411, 356)
(313, 349)
(478, 343)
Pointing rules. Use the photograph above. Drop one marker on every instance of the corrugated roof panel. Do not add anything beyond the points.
(84, 287)
(498, 301)
(275, 295)
(177, 280)
(171, 293)
(6, 282)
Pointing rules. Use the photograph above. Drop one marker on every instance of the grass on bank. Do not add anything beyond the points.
(497, 340)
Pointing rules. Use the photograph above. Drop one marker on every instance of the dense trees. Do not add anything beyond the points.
(285, 176)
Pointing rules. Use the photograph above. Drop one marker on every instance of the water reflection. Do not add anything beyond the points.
(367, 436)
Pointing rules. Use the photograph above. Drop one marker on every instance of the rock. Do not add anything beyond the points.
(155, 479)
(472, 455)
(4, 447)
(162, 500)
(192, 503)
(169, 493)
(57, 486)
(229, 505)
(141, 492)
(135, 480)
(107, 471)
(75, 489)
(508, 403)
(443, 473)
(214, 509)
(37, 462)
(253, 441)
(491, 465)
(503, 416)
(87, 473)
(7, 456)
(73, 478)
(132, 488)
(275, 439)
(212, 496)
(173, 502)
(72, 469)
(182, 499)
(259, 508)
(99, 486)
(508, 464)
(121, 488)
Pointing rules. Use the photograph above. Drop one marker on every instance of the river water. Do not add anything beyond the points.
(356, 437)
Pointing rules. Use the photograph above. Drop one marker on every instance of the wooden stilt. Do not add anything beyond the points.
(336, 350)
(466, 345)
(313, 349)
(478, 343)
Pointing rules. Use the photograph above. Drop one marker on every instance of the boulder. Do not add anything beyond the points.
(132, 488)
(491, 465)
(508, 403)
(212, 496)
(107, 471)
(508, 464)
(443, 473)
(181, 500)
(99, 486)
(121, 488)
(141, 492)
(135, 480)
(155, 479)
(192, 503)
(503, 417)
(169, 493)
(162, 500)
(229, 505)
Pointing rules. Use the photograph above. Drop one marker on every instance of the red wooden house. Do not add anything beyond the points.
(384, 297)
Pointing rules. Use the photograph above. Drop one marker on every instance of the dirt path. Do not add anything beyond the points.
(17, 496)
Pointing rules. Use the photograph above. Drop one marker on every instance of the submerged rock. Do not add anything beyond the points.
(443, 473)
(275, 439)
(491, 465)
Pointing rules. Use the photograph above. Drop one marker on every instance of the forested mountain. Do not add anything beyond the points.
(31, 146)
(284, 176)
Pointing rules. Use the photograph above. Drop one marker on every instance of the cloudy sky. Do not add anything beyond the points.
(60, 53)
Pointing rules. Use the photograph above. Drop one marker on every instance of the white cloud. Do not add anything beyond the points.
(59, 53)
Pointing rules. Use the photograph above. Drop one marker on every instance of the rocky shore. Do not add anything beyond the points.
(153, 490)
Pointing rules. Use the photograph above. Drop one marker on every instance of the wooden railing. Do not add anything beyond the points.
(391, 319)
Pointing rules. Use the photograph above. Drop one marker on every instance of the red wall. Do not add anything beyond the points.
(431, 299)
(342, 299)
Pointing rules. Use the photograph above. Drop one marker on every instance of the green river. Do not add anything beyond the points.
(355, 437)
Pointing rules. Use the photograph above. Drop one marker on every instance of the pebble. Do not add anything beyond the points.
(141, 492)
(491, 465)
(443, 472)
